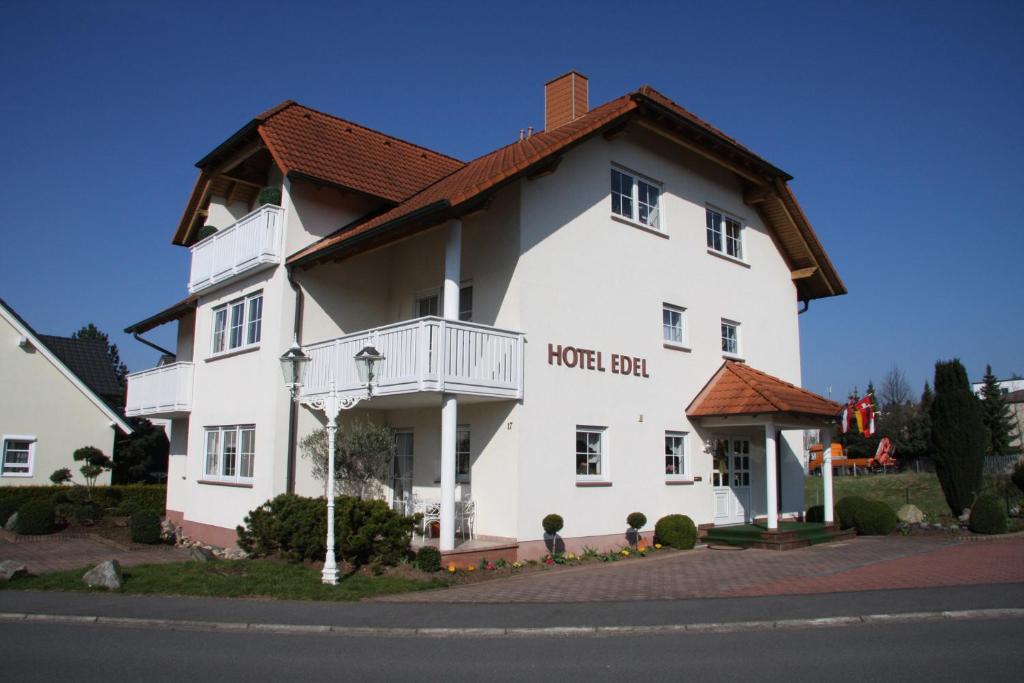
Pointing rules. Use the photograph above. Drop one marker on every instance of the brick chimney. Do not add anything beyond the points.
(565, 99)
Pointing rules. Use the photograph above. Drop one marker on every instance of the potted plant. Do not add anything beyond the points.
(636, 522)
(270, 195)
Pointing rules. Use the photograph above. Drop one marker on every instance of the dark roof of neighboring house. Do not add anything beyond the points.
(1014, 396)
(471, 184)
(738, 389)
(88, 359)
(307, 143)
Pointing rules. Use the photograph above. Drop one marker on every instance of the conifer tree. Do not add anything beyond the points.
(996, 415)
(958, 436)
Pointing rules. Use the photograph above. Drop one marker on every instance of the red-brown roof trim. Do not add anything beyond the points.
(738, 389)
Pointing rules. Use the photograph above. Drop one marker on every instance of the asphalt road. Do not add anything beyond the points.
(925, 651)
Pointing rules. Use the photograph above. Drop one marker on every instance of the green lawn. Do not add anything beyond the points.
(922, 490)
(233, 579)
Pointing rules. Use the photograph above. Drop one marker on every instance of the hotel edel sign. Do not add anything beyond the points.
(589, 359)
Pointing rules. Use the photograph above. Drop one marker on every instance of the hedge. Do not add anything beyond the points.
(143, 496)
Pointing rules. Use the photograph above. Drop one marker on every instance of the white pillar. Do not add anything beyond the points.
(449, 403)
(826, 473)
(771, 476)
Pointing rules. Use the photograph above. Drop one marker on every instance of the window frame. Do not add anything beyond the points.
(30, 465)
(684, 458)
(738, 353)
(224, 327)
(633, 218)
(604, 473)
(683, 342)
(723, 235)
(221, 432)
(465, 477)
(465, 314)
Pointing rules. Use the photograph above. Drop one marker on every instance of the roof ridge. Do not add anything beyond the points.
(797, 387)
(366, 128)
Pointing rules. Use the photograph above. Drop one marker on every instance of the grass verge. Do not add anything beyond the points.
(232, 579)
(920, 489)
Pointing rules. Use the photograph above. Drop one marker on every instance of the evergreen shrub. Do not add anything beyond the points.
(636, 520)
(552, 524)
(988, 516)
(36, 517)
(676, 531)
(846, 511)
(428, 559)
(145, 527)
(875, 518)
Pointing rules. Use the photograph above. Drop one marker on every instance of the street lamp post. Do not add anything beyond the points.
(293, 365)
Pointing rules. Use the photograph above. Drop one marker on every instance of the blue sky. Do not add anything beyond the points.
(901, 123)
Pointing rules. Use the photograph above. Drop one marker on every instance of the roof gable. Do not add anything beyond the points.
(738, 389)
(88, 359)
(38, 342)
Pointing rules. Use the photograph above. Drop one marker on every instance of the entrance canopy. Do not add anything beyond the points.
(737, 389)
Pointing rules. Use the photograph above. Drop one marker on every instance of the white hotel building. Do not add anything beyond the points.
(596, 319)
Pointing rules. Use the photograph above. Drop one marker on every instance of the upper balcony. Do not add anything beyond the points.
(165, 392)
(422, 355)
(250, 244)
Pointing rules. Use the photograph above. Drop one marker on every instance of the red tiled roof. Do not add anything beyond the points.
(738, 389)
(308, 142)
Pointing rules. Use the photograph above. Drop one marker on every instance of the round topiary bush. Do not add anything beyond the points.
(676, 531)
(636, 520)
(36, 517)
(815, 514)
(145, 527)
(846, 511)
(552, 524)
(874, 518)
(270, 195)
(988, 516)
(428, 559)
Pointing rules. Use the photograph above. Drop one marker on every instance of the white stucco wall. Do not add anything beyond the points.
(39, 401)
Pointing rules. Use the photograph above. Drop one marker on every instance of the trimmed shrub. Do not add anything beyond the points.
(145, 527)
(815, 513)
(428, 559)
(270, 195)
(846, 511)
(988, 516)
(206, 231)
(149, 496)
(366, 531)
(636, 520)
(676, 531)
(552, 524)
(1018, 475)
(875, 518)
(36, 517)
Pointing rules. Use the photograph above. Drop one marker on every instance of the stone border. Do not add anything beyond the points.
(523, 632)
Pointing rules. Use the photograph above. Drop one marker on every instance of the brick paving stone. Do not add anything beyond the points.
(866, 563)
(56, 553)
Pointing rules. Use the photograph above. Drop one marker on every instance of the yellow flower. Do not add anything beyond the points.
(625, 553)
(451, 568)
(570, 556)
(657, 546)
(471, 568)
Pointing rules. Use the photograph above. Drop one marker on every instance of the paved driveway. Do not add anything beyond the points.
(866, 563)
(60, 552)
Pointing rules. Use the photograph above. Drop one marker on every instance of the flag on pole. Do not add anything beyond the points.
(844, 419)
(864, 410)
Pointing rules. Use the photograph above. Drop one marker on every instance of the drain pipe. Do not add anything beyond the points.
(293, 406)
(151, 345)
(806, 305)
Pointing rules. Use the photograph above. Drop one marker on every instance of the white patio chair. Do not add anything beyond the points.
(467, 517)
(431, 513)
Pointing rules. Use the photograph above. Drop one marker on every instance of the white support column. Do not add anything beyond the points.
(771, 476)
(449, 403)
(826, 473)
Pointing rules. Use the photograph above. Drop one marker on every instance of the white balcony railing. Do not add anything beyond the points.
(425, 354)
(164, 391)
(254, 241)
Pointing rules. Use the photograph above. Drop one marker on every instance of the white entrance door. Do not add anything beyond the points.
(401, 477)
(731, 481)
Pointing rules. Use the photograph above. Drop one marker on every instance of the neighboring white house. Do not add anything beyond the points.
(53, 402)
(570, 324)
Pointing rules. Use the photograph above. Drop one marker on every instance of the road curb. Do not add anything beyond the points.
(518, 632)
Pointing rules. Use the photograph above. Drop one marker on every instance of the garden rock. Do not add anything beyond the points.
(12, 521)
(104, 575)
(10, 569)
(910, 514)
(965, 516)
(168, 531)
(200, 554)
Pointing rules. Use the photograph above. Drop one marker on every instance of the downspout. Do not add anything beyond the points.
(293, 409)
(153, 346)
(807, 304)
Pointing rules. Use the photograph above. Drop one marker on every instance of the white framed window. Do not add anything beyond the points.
(230, 453)
(675, 455)
(724, 233)
(462, 454)
(19, 455)
(730, 338)
(591, 454)
(466, 303)
(673, 325)
(238, 324)
(636, 198)
(430, 302)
